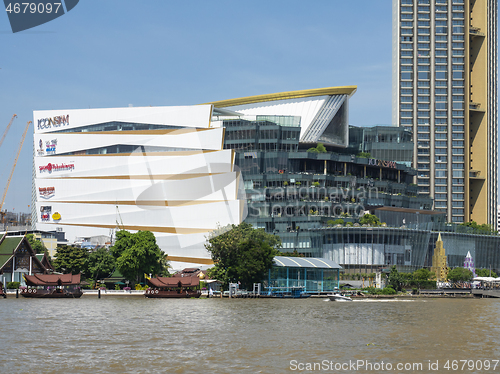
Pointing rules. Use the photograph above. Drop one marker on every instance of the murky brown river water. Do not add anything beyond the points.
(136, 335)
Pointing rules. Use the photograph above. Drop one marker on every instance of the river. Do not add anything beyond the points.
(136, 335)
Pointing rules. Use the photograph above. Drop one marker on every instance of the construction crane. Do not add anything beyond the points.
(3, 213)
(7, 129)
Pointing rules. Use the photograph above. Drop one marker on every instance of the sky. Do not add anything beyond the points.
(116, 53)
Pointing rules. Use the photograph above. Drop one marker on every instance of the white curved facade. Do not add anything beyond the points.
(160, 169)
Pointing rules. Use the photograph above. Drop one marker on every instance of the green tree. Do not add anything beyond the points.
(242, 254)
(369, 219)
(422, 275)
(37, 245)
(459, 275)
(71, 259)
(100, 263)
(485, 273)
(137, 254)
(395, 279)
(483, 228)
(320, 148)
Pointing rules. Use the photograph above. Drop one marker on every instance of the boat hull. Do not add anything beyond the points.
(339, 298)
(171, 294)
(43, 294)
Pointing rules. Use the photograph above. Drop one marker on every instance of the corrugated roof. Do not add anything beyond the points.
(7, 248)
(305, 262)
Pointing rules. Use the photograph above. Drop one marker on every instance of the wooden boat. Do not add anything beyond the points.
(173, 287)
(52, 286)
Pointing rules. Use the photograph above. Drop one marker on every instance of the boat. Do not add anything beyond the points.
(173, 287)
(338, 297)
(52, 286)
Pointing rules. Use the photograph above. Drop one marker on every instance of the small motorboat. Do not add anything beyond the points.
(338, 297)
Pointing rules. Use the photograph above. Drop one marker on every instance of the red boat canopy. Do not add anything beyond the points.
(52, 279)
(174, 282)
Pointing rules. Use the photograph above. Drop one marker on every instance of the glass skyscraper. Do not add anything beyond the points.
(445, 91)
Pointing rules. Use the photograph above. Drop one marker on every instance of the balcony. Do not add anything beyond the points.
(476, 32)
(475, 174)
(476, 107)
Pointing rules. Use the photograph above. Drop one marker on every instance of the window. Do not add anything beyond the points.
(424, 38)
(458, 105)
(406, 99)
(442, 45)
(440, 196)
(440, 144)
(423, 91)
(440, 83)
(459, 135)
(440, 151)
(441, 128)
(423, 99)
(458, 151)
(458, 158)
(441, 30)
(441, 91)
(441, 136)
(440, 189)
(407, 106)
(458, 166)
(458, 75)
(440, 158)
(458, 143)
(441, 75)
(457, 196)
(441, 98)
(406, 75)
(441, 105)
(441, 60)
(458, 173)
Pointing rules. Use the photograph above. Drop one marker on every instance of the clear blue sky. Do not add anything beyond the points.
(114, 53)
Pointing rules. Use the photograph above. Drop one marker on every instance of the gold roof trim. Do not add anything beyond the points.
(343, 90)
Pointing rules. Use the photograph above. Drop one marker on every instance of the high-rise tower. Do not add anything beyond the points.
(445, 91)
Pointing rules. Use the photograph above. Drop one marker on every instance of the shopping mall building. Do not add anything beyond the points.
(182, 172)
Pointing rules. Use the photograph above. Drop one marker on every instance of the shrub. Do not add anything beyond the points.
(13, 285)
(388, 291)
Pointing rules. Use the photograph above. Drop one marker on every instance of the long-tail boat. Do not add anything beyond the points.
(52, 286)
(173, 287)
